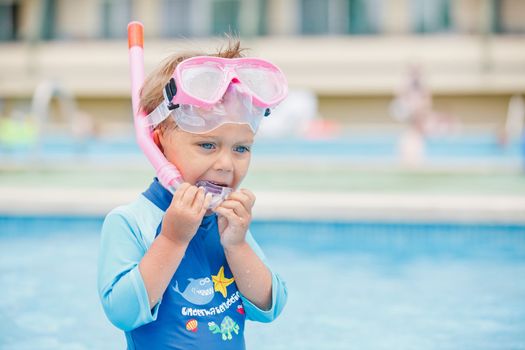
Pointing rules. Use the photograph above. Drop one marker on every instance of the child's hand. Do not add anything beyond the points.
(235, 215)
(185, 213)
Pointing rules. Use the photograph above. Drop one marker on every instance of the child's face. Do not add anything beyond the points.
(221, 156)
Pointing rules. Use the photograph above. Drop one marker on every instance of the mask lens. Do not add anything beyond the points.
(235, 107)
(262, 81)
(203, 81)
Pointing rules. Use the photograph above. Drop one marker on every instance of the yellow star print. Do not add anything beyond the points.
(220, 282)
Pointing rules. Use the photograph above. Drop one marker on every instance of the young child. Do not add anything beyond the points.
(174, 274)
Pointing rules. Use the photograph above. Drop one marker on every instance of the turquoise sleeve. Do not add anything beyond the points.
(120, 285)
(279, 291)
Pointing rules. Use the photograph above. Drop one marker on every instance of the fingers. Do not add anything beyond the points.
(202, 203)
(240, 202)
(179, 193)
(185, 213)
(229, 214)
(244, 196)
(249, 194)
(189, 196)
(236, 206)
(198, 198)
(192, 197)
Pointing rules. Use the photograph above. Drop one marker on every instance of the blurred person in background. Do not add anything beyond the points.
(513, 127)
(413, 106)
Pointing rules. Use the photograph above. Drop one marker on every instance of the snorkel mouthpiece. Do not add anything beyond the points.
(218, 193)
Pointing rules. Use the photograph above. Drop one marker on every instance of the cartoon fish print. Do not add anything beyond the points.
(199, 291)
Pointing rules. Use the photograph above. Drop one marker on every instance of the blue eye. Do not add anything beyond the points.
(241, 149)
(207, 145)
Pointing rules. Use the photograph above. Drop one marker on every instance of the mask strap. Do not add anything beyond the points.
(163, 110)
(158, 115)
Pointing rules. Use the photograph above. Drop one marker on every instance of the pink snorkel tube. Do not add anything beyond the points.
(167, 173)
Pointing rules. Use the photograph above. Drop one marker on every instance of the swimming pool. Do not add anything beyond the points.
(355, 285)
(366, 147)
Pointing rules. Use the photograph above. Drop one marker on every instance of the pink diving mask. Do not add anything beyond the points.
(206, 92)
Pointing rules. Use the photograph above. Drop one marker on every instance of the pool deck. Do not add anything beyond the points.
(390, 207)
(291, 190)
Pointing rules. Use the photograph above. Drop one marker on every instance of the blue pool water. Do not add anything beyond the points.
(351, 286)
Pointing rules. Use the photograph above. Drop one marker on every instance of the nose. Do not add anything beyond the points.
(224, 161)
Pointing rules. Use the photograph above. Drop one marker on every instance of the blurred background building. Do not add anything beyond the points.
(353, 54)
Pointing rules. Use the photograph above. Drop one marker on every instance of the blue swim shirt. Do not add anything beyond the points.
(192, 313)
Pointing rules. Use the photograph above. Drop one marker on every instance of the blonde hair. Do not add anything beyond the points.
(151, 92)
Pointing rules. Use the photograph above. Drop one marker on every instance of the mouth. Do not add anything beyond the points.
(212, 186)
(220, 184)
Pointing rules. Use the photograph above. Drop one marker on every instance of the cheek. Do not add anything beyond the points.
(242, 167)
(193, 167)
(181, 161)
(174, 158)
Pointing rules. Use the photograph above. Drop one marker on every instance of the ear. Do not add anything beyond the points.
(157, 138)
